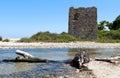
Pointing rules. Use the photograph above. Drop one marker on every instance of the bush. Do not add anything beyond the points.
(24, 40)
(49, 37)
(6, 40)
(109, 36)
(113, 34)
(0, 38)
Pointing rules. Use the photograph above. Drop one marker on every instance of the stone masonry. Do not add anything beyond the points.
(83, 22)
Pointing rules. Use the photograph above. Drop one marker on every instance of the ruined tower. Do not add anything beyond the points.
(83, 22)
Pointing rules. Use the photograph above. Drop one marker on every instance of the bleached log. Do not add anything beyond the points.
(24, 54)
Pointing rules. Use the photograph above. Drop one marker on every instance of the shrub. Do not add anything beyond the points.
(113, 34)
(24, 40)
(0, 38)
(49, 37)
(6, 40)
(109, 36)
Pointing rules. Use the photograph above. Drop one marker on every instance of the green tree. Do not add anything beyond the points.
(109, 25)
(101, 25)
(104, 24)
(116, 24)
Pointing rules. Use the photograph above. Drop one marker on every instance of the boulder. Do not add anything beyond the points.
(80, 59)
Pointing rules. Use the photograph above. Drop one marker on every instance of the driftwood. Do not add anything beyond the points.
(103, 59)
(26, 57)
(31, 60)
(114, 59)
(80, 59)
(24, 54)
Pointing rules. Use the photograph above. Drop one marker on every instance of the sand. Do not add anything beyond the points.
(104, 69)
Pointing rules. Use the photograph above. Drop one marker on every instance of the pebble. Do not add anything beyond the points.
(4, 45)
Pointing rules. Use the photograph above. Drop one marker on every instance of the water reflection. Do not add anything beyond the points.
(24, 66)
(108, 52)
(8, 68)
(92, 52)
(49, 53)
(95, 52)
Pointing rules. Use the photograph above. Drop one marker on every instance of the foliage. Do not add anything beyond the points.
(6, 40)
(103, 24)
(76, 16)
(109, 36)
(113, 35)
(116, 24)
(103, 36)
(49, 37)
(109, 25)
(24, 40)
(0, 38)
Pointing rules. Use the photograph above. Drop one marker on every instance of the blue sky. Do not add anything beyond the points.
(23, 18)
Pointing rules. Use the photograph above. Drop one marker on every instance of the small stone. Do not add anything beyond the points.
(60, 77)
(66, 76)
(77, 70)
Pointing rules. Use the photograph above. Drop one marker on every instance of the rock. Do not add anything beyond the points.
(80, 59)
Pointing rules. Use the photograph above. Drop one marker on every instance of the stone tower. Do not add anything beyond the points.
(83, 22)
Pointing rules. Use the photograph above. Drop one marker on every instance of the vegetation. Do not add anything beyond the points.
(115, 25)
(6, 40)
(25, 40)
(76, 16)
(112, 34)
(109, 36)
(49, 37)
(0, 38)
(107, 32)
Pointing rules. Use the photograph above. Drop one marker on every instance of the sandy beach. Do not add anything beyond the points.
(104, 69)
(59, 45)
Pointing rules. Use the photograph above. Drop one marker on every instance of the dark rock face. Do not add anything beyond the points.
(83, 22)
(80, 59)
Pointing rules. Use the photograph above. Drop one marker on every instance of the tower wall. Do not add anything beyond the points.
(83, 22)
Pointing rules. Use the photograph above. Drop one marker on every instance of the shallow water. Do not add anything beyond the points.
(58, 54)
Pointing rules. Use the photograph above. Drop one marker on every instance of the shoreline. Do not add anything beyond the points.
(89, 45)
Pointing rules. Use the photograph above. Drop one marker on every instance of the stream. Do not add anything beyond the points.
(31, 70)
